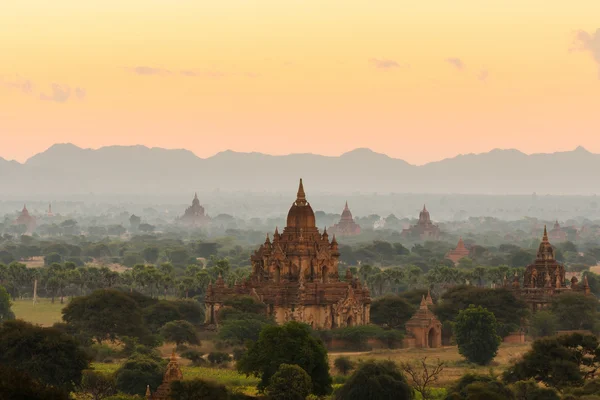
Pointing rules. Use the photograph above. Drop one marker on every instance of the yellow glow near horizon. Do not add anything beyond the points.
(299, 76)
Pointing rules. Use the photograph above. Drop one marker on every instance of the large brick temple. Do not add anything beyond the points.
(346, 226)
(545, 278)
(423, 229)
(296, 276)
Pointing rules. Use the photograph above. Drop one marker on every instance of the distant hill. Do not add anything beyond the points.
(68, 169)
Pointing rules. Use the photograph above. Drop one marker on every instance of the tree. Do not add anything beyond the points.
(52, 258)
(508, 309)
(529, 390)
(423, 376)
(391, 311)
(475, 332)
(180, 332)
(575, 310)
(137, 372)
(381, 380)
(46, 354)
(218, 357)
(105, 315)
(151, 254)
(157, 315)
(198, 389)
(558, 362)
(18, 385)
(344, 365)
(290, 382)
(543, 323)
(191, 311)
(474, 387)
(5, 304)
(291, 343)
(97, 385)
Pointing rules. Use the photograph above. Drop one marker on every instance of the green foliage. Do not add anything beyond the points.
(343, 365)
(530, 390)
(5, 304)
(575, 311)
(18, 385)
(391, 311)
(542, 324)
(137, 372)
(473, 387)
(180, 332)
(475, 332)
(198, 389)
(105, 315)
(558, 361)
(218, 357)
(97, 385)
(376, 380)
(238, 331)
(246, 304)
(46, 354)
(290, 382)
(357, 336)
(194, 356)
(291, 343)
(191, 311)
(159, 314)
(507, 309)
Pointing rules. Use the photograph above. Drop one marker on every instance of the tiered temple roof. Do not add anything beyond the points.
(173, 373)
(26, 219)
(556, 234)
(195, 214)
(346, 226)
(545, 278)
(424, 228)
(459, 253)
(296, 275)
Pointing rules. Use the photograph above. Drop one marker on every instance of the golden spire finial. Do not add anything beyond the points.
(301, 196)
(545, 238)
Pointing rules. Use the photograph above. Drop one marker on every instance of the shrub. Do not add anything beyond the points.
(218, 357)
(344, 365)
(290, 382)
(195, 356)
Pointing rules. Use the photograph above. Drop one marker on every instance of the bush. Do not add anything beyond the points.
(137, 372)
(380, 380)
(198, 389)
(290, 382)
(357, 336)
(542, 324)
(218, 357)
(195, 356)
(344, 365)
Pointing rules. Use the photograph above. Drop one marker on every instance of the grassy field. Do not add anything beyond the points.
(456, 366)
(228, 377)
(43, 313)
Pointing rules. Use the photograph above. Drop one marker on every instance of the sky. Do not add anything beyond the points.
(417, 80)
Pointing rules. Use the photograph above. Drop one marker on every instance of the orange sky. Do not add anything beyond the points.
(416, 80)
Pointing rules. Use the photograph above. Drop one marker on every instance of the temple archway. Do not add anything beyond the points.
(432, 338)
(350, 321)
(324, 273)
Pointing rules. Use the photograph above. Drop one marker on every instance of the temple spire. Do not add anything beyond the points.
(148, 394)
(424, 208)
(545, 238)
(346, 206)
(301, 197)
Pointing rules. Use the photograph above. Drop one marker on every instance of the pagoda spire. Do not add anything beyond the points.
(545, 238)
(301, 196)
(346, 206)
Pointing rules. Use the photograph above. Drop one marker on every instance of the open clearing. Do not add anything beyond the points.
(43, 313)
